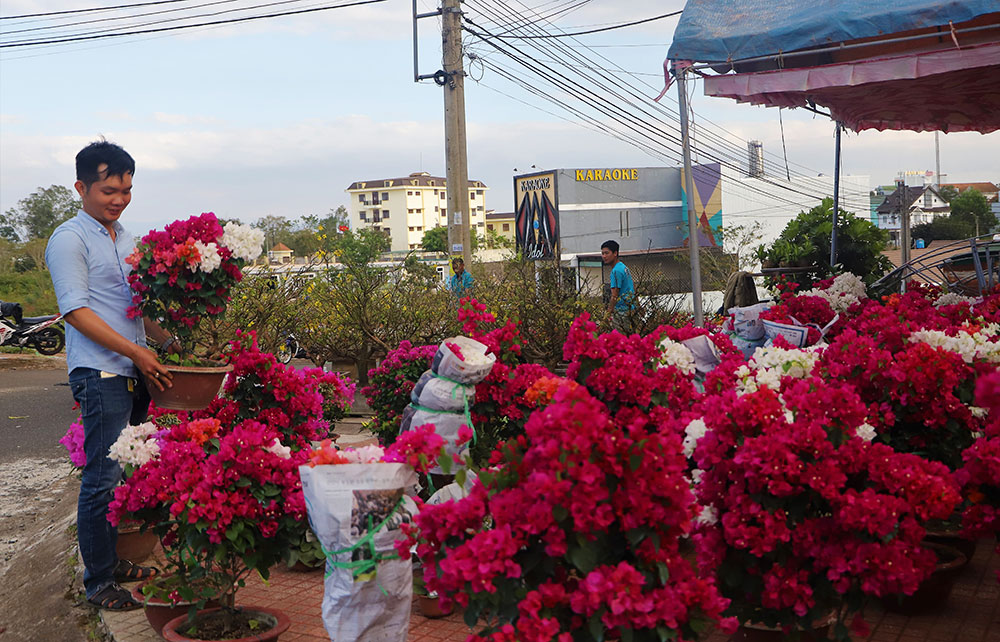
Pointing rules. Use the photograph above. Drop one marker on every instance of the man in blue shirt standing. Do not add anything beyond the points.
(105, 353)
(461, 281)
(622, 289)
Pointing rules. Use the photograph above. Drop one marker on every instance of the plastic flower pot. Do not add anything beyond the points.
(193, 387)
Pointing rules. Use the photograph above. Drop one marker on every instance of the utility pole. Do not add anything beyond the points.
(904, 222)
(836, 197)
(937, 160)
(455, 147)
(693, 226)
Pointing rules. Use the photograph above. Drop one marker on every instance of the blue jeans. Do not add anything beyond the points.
(105, 403)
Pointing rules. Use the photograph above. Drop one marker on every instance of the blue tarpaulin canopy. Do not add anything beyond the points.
(882, 64)
(732, 30)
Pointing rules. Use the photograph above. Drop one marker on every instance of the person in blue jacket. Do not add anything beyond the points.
(622, 288)
(461, 281)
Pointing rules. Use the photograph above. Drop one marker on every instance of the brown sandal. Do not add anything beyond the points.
(114, 598)
(126, 571)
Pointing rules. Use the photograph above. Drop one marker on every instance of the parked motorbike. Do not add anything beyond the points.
(44, 333)
(290, 349)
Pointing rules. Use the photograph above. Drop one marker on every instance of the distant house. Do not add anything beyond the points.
(280, 254)
(987, 189)
(502, 223)
(924, 204)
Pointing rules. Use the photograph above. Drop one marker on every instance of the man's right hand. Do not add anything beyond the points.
(151, 368)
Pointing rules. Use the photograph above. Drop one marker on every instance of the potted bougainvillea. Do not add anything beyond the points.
(182, 277)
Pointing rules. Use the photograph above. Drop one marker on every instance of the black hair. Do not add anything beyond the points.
(100, 152)
(457, 260)
(611, 245)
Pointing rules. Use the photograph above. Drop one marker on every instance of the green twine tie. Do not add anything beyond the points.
(360, 568)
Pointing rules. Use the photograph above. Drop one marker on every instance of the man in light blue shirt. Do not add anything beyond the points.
(622, 288)
(461, 281)
(105, 353)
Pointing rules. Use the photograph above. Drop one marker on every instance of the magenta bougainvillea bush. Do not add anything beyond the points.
(798, 473)
(220, 486)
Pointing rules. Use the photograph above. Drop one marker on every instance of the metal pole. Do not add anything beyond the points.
(904, 222)
(937, 160)
(836, 197)
(456, 153)
(699, 313)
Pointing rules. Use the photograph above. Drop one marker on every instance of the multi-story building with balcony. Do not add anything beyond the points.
(407, 207)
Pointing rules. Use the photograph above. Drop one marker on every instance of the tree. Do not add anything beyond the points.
(971, 207)
(807, 237)
(435, 239)
(948, 192)
(943, 228)
(277, 229)
(37, 215)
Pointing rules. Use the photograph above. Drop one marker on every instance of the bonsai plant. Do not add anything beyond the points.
(182, 277)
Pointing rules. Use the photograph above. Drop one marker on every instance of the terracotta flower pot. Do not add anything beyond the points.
(756, 632)
(278, 621)
(951, 537)
(933, 592)
(159, 612)
(193, 387)
(133, 545)
(430, 607)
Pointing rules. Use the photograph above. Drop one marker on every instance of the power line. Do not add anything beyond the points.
(57, 13)
(178, 27)
(599, 30)
(113, 18)
(716, 155)
(600, 103)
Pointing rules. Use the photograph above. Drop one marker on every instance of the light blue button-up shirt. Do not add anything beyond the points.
(88, 270)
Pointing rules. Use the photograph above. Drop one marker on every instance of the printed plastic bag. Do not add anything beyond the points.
(746, 321)
(356, 511)
(796, 335)
(471, 368)
(437, 393)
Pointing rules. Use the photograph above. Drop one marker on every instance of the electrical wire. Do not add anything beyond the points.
(68, 11)
(740, 157)
(536, 66)
(192, 26)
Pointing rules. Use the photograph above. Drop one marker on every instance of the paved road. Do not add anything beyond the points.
(36, 408)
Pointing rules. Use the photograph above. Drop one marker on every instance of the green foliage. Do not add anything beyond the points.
(361, 310)
(262, 303)
(37, 215)
(943, 228)
(435, 239)
(544, 302)
(33, 290)
(948, 192)
(972, 208)
(806, 240)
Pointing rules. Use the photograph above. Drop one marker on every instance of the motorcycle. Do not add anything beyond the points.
(290, 349)
(43, 333)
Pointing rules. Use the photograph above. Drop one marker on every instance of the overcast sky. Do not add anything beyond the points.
(279, 116)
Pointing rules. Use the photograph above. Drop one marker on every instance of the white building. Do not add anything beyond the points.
(407, 207)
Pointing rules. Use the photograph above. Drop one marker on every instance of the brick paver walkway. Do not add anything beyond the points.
(971, 613)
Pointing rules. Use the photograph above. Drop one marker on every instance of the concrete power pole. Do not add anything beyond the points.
(904, 222)
(456, 152)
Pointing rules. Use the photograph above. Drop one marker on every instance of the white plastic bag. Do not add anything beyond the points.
(746, 321)
(356, 511)
(796, 335)
(434, 392)
(446, 424)
(706, 355)
(472, 368)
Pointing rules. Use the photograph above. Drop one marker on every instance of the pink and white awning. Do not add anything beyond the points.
(948, 90)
